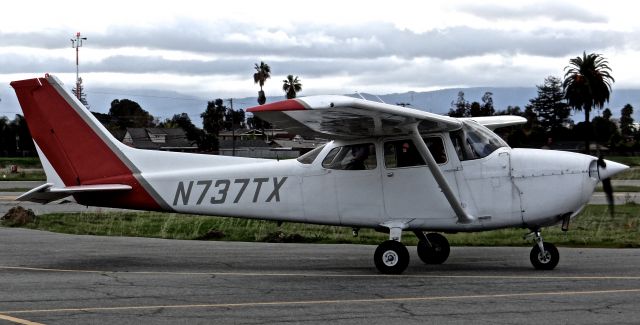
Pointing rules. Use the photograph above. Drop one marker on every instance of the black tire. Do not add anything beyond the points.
(437, 253)
(391, 257)
(546, 261)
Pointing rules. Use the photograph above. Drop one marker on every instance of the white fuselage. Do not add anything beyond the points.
(507, 188)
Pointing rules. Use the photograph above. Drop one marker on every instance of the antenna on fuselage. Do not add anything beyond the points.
(380, 99)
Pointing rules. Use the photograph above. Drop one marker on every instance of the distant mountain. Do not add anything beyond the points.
(164, 104)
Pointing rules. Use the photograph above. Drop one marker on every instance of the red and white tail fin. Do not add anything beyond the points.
(79, 155)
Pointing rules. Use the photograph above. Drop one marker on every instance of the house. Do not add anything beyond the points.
(166, 139)
(274, 149)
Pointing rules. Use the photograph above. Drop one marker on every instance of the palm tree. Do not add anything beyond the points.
(263, 72)
(587, 84)
(291, 86)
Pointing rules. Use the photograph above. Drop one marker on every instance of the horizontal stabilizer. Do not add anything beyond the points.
(46, 193)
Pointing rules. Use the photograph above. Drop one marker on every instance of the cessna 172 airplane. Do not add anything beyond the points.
(387, 167)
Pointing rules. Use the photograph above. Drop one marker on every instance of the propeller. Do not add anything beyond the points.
(606, 169)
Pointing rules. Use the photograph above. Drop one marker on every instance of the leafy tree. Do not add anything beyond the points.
(263, 72)
(213, 122)
(257, 123)
(182, 120)
(549, 106)
(5, 139)
(126, 113)
(587, 84)
(626, 121)
(15, 138)
(511, 110)
(487, 105)
(475, 109)
(80, 94)
(605, 130)
(234, 119)
(291, 86)
(460, 107)
(213, 116)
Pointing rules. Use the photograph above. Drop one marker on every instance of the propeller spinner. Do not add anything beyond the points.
(606, 169)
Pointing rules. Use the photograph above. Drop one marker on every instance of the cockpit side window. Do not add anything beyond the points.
(351, 157)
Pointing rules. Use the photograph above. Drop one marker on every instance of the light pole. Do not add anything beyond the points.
(76, 44)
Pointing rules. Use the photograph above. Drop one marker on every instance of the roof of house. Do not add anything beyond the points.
(300, 143)
(228, 144)
(157, 138)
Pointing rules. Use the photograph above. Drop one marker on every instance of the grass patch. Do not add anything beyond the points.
(594, 227)
(32, 175)
(16, 189)
(621, 188)
(631, 161)
(631, 173)
(24, 162)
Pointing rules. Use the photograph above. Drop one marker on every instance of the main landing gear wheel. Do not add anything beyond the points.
(546, 260)
(434, 250)
(391, 257)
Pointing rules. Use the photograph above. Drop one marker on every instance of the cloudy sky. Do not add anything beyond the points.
(209, 48)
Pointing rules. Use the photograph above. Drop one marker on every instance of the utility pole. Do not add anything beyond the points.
(233, 130)
(76, 44)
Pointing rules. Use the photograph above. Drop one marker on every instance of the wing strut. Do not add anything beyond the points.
(463, 216)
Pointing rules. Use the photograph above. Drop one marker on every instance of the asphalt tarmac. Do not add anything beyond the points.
(48, 278)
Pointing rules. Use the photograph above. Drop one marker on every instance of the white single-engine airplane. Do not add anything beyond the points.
(387, 167)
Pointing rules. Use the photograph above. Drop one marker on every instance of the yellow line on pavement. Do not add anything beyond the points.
(323, 302)
(328, 275)
(18, 320)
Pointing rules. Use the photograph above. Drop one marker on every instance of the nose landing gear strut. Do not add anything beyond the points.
(543, 256)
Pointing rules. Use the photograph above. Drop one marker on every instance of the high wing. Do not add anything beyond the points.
(336, 117)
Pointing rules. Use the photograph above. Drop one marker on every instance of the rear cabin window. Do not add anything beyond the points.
(403, 153)
(351, 157)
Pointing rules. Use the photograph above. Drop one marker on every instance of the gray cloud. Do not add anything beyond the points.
(240, 67)
(27, 64)
(557, 11)
(329, 42)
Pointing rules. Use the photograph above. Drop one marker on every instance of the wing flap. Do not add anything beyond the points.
(47, 192)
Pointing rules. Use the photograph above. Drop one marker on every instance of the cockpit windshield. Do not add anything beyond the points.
(310, 156)
(473, 141)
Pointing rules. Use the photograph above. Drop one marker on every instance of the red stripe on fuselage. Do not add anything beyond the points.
(285, 105)
(76, 152)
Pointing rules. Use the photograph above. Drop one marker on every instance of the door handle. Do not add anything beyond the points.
(390, 174)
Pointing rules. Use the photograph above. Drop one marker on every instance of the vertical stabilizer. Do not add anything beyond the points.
(76, 149)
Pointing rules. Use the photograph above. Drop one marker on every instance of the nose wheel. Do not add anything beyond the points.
(543, 256)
